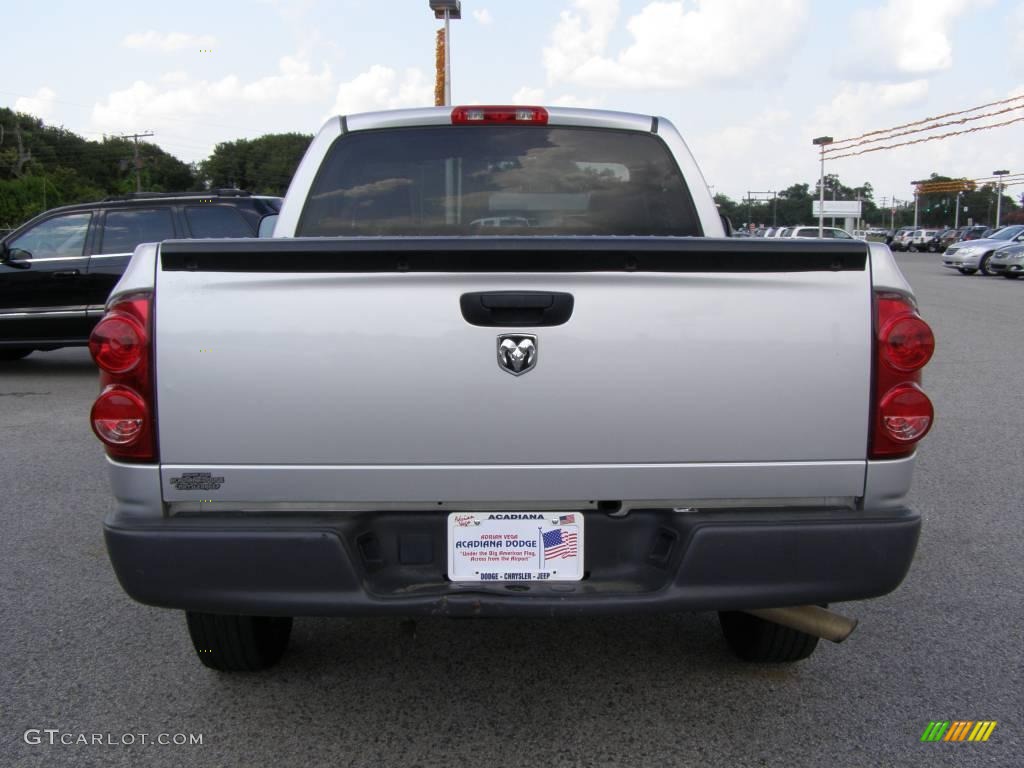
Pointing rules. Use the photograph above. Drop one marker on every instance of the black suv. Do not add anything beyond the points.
(57, 270)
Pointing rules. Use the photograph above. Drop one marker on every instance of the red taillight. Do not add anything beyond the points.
(901, 412)
(906, 343)
(121, 344)
(905, 413)
(119, 416)
(118, 342)
(491, 115)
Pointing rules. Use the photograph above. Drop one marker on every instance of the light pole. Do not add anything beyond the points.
(956, 218)
(999, 194)
(821, 142)
(447, 10)
(917, 196)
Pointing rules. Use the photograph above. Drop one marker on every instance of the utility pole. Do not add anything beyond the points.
(137, 162)
(999, 194)
(821, 142)
(917, 195)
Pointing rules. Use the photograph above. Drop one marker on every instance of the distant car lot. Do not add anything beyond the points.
(946, 644)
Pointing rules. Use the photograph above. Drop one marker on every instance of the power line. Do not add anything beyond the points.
(923, 129)
(928, 138)
(930, 119)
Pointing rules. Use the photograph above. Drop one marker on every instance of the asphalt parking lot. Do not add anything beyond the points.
(84, 659)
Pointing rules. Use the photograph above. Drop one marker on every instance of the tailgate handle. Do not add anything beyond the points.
(516, 308)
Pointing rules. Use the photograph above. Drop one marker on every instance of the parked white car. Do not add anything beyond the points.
(902, 240)
(924, 239)
(833, 233)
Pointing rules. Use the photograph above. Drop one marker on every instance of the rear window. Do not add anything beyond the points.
(521, 180)
(217, 221)
(123, 230)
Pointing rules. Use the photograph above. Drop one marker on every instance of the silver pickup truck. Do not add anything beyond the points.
(502, 361)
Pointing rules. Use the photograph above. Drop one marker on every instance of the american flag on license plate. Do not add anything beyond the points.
(559, 543)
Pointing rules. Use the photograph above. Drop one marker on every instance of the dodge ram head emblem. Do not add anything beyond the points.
(517, 353)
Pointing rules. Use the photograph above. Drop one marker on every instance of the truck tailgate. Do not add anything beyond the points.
(334, 355)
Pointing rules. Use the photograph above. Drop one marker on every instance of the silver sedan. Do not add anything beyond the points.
(1008, 262)
(973, 255)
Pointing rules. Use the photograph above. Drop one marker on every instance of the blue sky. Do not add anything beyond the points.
(747, 82)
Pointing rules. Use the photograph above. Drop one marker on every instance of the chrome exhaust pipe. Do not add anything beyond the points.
(812, 619)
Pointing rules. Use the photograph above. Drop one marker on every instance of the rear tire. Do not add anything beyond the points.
(14, 354)
(754, 639)
(238, 643)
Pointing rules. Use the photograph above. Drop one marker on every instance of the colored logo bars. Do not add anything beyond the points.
(958, 730)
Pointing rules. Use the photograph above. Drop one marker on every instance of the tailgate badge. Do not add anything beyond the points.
(517, 353)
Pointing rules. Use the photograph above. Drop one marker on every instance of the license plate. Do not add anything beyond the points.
(515, 546)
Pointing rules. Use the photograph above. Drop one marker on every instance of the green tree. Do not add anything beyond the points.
(43, 166)
(264, 165)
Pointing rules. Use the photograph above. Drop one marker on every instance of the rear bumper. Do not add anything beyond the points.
(393, 563)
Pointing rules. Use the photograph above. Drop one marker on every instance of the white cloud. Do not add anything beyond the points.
(579, 38)
(859, 107)
(177, 94)
(758, 152)
(129, 107)
(483, 16)
(528, 96)
(903, 38)
(674, 44)
(1015, 21)
(296, 83)
(536, 97)
(40, 105)
(382, 87)
(167, 42)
